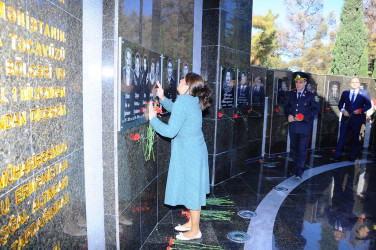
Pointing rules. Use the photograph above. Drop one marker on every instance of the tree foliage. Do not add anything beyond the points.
(264, 42)
(369, 20)
(363, 64)
(350, 41)
(307, 26)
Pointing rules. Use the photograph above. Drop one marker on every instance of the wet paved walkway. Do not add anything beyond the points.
(332, 207)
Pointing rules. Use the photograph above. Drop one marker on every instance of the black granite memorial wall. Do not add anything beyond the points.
(42, 191)
(165, 27)
(233, 134)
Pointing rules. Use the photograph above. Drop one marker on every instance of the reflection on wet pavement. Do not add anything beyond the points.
(332, 207)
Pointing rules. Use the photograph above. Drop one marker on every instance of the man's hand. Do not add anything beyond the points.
(290, 118)
(357, 111)
(345, 113)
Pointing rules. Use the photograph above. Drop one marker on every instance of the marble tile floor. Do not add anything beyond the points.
(332, 207)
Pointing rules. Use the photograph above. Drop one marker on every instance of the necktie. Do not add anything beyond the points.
(299, 93)
(353, 97)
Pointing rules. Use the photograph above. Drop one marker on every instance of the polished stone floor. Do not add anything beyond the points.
(332, 207)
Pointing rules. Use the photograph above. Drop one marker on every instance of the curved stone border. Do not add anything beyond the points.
(261, 227)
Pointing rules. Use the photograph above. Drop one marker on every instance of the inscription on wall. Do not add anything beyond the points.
(34, 85)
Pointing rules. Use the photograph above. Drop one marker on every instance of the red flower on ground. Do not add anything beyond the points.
(220, 115)
(168, 248)
(171, 241)
(236, 116)
(300, 116)
(137, 136)
(131, 136)
(276, 110)
(249, 111)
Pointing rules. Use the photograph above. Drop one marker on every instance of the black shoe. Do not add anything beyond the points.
(335, 159)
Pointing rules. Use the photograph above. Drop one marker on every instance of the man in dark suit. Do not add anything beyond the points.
(170, 83)
(353, 104)
(301, 107)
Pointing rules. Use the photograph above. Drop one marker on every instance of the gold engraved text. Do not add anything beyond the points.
(17, 171)
(20, 69)
(36, 48)
(9, 121)
(47, 113)
(26, 190)
(27, 22)
(30, 93)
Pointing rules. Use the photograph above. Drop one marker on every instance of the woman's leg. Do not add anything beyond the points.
(195, 223)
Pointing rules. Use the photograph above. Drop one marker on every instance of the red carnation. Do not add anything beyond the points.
(137, 137)
(360, 111)
(326, 108)
(171, 241)
(279, 156)
(168, 248)
(300, 116)
(249, 111)
(236, 116)
(156, 103)
(276, 110)
(143, 109)
(220, 115)
(159, 110)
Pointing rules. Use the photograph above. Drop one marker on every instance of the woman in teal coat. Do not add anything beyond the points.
(188, 173)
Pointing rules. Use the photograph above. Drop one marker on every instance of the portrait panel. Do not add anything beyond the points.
(228, 86)
(244, 89)
(283, 87)
(257, 90)
(333, 94)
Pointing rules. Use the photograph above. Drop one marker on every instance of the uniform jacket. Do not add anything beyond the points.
(362, 101)
(307, 105)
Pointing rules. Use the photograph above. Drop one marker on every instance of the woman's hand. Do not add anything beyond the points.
(152, 112)
(160, 91)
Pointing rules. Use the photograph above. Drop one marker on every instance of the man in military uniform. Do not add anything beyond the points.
(301, 107)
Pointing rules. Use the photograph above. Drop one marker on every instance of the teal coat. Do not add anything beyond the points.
(188, 173)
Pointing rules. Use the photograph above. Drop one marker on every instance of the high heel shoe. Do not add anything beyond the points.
(180, 228)
(180, 236)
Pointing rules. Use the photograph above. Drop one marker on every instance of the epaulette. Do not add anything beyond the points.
(310, 91)
(292, 90)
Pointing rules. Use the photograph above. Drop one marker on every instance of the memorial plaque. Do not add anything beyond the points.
(333, 93)
(257, 90)
(170, 81)
(140, 69)
(283, 87)
(42, 192)
(244, 89)
(228, 86)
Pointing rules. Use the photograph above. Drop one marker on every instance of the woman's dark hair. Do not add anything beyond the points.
(198, 87)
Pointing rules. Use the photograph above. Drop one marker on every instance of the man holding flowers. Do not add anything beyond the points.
(353, 104)
(301, 107)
